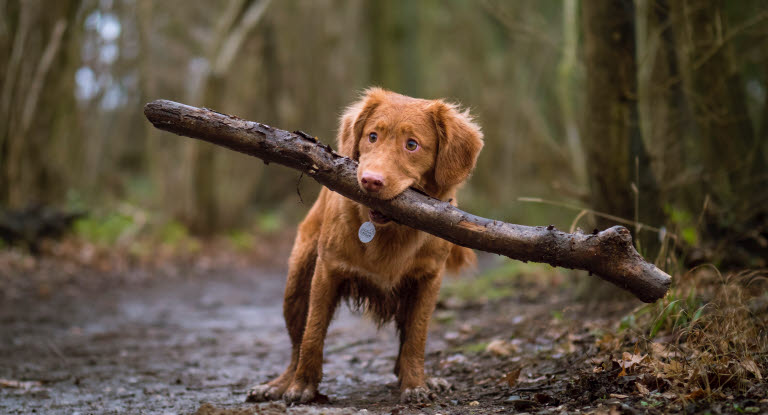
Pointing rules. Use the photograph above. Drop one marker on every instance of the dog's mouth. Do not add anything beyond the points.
(378, 217)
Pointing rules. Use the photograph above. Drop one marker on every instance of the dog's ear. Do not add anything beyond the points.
(353, 122)
(459, 143)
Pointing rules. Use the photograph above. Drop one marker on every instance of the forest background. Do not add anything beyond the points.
(653, 112)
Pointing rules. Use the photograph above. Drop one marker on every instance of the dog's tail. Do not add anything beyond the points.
(460, 258)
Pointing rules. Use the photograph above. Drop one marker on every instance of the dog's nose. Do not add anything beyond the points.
(372, 182)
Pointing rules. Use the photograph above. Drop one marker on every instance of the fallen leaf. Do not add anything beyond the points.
(659, 349)
(608, 342)
(673, 368)
(750, 366)
(511, 377)
(696, 395)
(618, 396)
(628, 361)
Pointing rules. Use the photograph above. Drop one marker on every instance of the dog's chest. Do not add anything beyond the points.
(387, 259)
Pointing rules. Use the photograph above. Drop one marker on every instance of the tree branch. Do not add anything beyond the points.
(608, 254)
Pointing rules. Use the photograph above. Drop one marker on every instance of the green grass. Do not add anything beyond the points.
(497, 283)
(681, 308)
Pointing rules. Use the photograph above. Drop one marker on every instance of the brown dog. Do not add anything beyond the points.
(400, 142)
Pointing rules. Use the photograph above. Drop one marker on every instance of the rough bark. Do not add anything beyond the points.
(609, 254)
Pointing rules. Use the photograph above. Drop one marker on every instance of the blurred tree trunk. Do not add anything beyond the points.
(566, 86)
(34, 85)
(238, 20)
(396, 56)
(763, 138)
(616, 157)
(188, 184)
(166, 168)
(662, 99)
(725, 143)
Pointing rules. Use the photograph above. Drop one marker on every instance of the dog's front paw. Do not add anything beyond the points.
(265, 392)
(419, 394)
(438, 385)
(300, 392)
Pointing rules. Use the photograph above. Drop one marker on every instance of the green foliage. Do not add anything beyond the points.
(474, 348)
(496, 283)
(242, 240)
(627, 322)
(690, 235)
(173, 232)
(269, 222)
(491, 285)
(104, 229)
(140, 230)
(683, 220)
(651, 403)
(677, 310)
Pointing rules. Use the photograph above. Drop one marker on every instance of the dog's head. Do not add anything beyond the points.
(401, 142)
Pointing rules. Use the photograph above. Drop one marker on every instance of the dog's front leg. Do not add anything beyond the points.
(414, 327)
(323, 299)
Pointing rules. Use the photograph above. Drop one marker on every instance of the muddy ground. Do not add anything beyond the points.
(194, 341)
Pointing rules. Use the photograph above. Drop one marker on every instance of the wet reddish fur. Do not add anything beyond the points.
(398, 274)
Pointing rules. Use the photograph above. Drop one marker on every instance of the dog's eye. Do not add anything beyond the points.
(411, 145)
(372, 137)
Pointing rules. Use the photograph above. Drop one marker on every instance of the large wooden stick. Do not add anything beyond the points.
(608, 254)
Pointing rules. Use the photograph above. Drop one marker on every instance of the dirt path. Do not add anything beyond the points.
(197, 343)
(165, 347)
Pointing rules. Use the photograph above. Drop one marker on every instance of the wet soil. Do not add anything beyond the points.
(195, 341)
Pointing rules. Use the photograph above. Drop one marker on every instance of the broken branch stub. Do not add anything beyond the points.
(608, 254)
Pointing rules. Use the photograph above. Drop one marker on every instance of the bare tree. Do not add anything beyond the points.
(724, 139)
(34, 78)
(620, 178)
(236, 22)
(663, 105)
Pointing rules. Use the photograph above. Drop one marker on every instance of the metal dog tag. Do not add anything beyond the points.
(366, 232)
